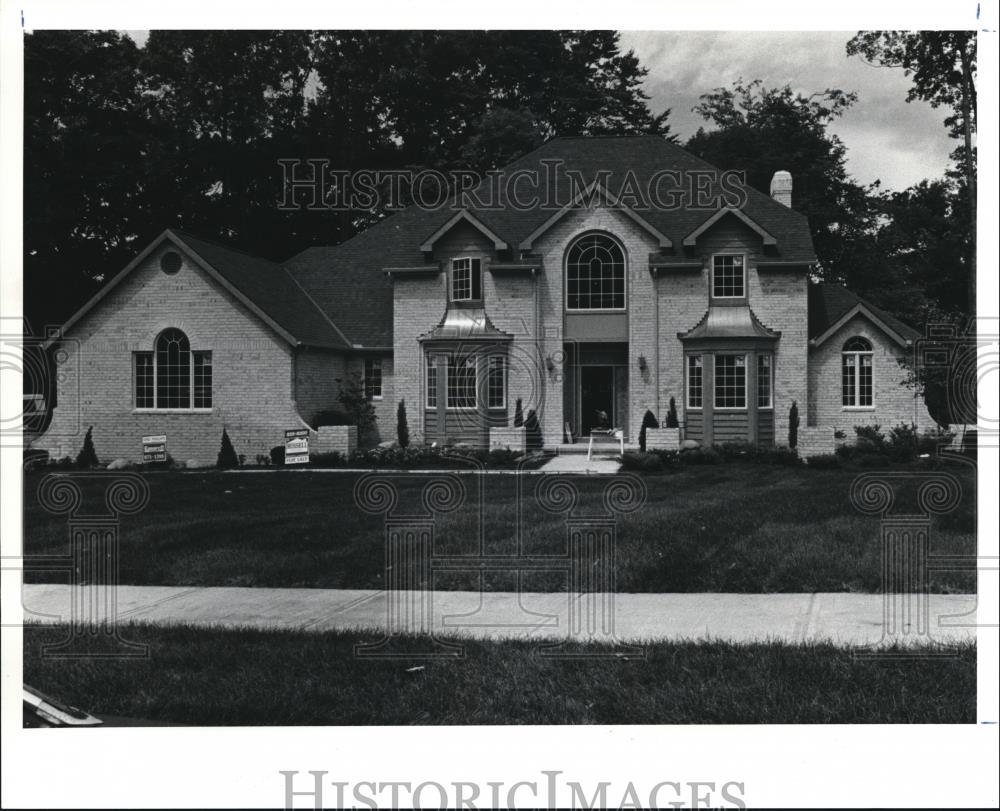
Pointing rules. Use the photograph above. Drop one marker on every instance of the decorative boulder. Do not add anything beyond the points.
(119, 464)
(690, 445)
(194, 464)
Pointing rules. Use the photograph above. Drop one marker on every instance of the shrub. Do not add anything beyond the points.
(701, 456)
(331, 416)
(402, 427)
(823, 461)
(278, 455)
(779, 456)
(359, 408)
(533, 431)
(518, 414)
(672, 415)
(838, 434)
(641, 461)
(227, 454)
(871, 460)
(87, 457)
(648, 421)
(793, 425)
(737, 451)
(34, 458)
(332, 459)
(870, 436)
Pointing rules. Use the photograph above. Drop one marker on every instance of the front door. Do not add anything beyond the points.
(597, 397)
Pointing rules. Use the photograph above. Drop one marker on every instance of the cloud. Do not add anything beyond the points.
(886, 138)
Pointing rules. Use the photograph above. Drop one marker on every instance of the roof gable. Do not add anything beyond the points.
(831, 306)
(692, 239)
(263, 287)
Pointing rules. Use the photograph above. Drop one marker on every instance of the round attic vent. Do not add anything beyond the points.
(170, 262)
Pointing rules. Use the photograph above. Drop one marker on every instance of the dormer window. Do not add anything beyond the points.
(728, 276)
(466, 279)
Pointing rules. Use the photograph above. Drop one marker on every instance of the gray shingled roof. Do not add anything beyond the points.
(347, 282)
(271, 288)
(828, 303)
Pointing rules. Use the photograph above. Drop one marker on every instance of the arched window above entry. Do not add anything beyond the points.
(172, 376)
(595, 273)
(857, 382)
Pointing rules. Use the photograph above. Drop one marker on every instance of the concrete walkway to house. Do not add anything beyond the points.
(846, 619)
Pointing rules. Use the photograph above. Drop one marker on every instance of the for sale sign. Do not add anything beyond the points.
(296, 446)
(154, 448)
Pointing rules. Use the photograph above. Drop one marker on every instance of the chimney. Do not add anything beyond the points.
(781, 187)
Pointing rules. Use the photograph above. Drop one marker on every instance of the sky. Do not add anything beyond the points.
(887, 138)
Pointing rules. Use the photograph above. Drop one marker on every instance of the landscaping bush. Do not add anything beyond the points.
(700, 456)
(778, 456)
(871, 460)
(87, 457)
(793, 425)
(278, 455)
(518, 414)
(533, 431)
(641, 462)
(332, 459)
(359, 408)
(672, 415)
(402, 427)
(648, 421)
(823, 461)
(331, 416)
(34, 458)
(737, 451)
(227, 454)
(870, 437)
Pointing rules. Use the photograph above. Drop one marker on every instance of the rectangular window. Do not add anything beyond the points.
(496, 384)
(865, 381)
(728, 277)
(461, 383)
(202, 379)
(730, 381)
(764, 380)
(857, 380)
(373, 378)
(694, 381)
(432, 384)
(144, 380)
(466, 280)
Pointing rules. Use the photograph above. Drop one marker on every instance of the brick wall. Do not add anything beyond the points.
(894, 403)
(253, 371)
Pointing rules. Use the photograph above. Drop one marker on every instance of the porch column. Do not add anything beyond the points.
(440, 361)
(752, 432)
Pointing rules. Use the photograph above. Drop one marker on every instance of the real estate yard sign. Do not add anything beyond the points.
(296, 446)
(154, 448)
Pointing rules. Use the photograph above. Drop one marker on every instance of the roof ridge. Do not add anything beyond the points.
(219, 244)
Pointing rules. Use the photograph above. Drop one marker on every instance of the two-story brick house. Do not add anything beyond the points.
(593, 279)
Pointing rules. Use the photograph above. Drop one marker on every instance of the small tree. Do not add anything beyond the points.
(227, 453)
(648, 421)
(518, 414)
(359, 408)
(793, 425)
(672, 415)
(402, 428)
(533, 431)
(87, 457)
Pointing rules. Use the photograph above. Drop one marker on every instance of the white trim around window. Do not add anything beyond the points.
(172, 377)
(733, 386)
(729, 264)
(466, 283)
(373, 378)
(695, 381)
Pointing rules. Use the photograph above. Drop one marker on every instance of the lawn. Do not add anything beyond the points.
(728, 528)
(219, 677)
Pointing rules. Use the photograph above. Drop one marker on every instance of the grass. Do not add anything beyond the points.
(218, 677)
(726, 528)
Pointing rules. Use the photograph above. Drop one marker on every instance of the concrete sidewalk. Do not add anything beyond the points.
(846, 619)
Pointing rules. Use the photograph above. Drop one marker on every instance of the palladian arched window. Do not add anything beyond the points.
(595, 274)
(172, 376)
(856, 373)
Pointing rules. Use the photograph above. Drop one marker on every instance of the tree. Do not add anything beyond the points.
(227, 457)
(518, 414)
(943, 67)
(793, 425)
(359, 409)
(762, 130)
(672, 415)
(648, 421)
(87, 457)
(402, 427)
